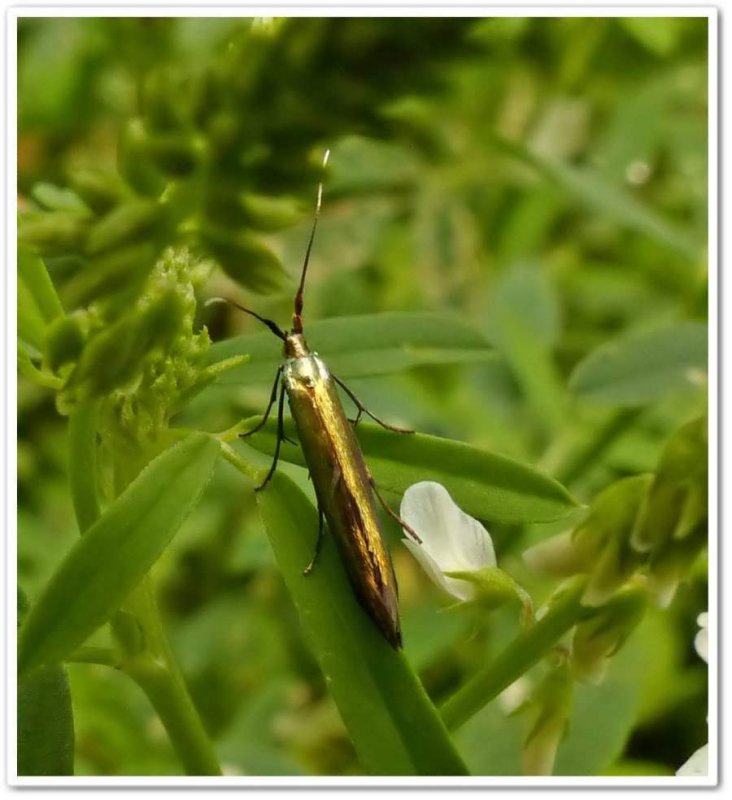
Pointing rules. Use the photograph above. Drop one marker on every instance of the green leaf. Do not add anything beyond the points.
(660, 35)
(56, 198)
(601, 720)
(45, 719)
(619, 205)
(394, 726)
(45, 724)
(368, 344)
(641, 367)
(82, 468)
(38, 303)
(32, 271)
(595, 192)
(106, 564)
(525, 340)
(31, 325)
(484, 484)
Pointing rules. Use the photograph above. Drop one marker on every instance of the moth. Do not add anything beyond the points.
(344, 487)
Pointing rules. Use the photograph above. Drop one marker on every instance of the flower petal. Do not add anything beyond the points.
(697, 765)
(462, 590)
(701, 641)
(452, 538)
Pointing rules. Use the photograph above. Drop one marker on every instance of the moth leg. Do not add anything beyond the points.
(280, 436)
(333, 483)
(405, 525)
(363, 410)
(272, 398)
(318, 543)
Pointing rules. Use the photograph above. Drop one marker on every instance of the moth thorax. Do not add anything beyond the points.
(296, 346)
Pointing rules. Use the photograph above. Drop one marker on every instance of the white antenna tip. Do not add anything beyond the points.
(326, 156)
(213, 301)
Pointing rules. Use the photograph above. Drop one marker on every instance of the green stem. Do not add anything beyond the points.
(39, 376)
(166, 690)
(526, 650)
(83, 464)
(155, 669)
(247, 469)
(581, 460)
(157, 674)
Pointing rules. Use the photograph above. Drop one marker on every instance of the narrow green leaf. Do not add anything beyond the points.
(32, 272)
(45, 719)
(660, 35)
(618, 204)
(369, 344)
(38, 303)
(45, 724)
(394, 726)
(83, 464)
(56, 198)
(484, 484)
(526, 340)
(115, 553)
(31, 325)
(609, 200)
(641, 367)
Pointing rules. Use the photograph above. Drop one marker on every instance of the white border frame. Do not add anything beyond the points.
(12, 15)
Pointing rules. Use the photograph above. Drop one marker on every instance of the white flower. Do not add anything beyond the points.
(697, 765)
(452, 541)
(701, 642)
(514, 695)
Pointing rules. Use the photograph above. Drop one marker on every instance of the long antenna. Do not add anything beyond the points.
(297, 316)
(273, 326)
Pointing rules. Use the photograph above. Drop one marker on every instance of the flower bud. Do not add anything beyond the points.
(100, 190)
(562, 555)
(136, 164)
(115, 273)
(269, 213)
(599, 545)
(617, 561)
(601, 636)
(176, 155)
(245, 260)
(115, 355)
(55, 233)
(667, 510)
(670, 564)
(550, 704)
(123, 225)
(65, 340)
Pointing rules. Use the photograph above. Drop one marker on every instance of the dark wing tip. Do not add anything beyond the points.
(394, 637)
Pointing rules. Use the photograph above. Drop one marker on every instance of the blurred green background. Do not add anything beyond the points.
(544, 179)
